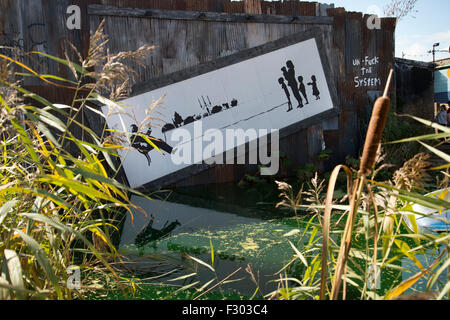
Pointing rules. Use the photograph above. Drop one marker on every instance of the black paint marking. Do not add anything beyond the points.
(143, 146)
(150, 234)
(315, 90)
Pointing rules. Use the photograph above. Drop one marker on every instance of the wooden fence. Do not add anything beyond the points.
(189, 33)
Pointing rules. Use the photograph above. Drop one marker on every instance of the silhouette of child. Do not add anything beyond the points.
(286, 91)
(313, 84)
(302, 88)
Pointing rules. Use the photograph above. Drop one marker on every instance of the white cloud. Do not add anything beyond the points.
(416, 46)
(416, 49)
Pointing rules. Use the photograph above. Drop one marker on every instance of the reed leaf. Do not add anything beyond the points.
(6, 208)
(46, 76)
(67, 63)
(427, 122)
(14, 271)
(40, 256)
(326, 223)
(201, 262)
(62, 227)
(437, 152)
(421, 138)
(433, 203)
(444, 291)
(299, 254)
(405, 285)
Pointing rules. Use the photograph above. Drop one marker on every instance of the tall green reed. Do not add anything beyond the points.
(60, 208)
(352, 257)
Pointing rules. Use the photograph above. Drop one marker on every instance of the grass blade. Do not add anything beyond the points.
(437, 152)
(42, 260)
(299, 254)
(14, 268)
(427, 122)
(6, 208)
(212, 252)
(202, 263)
(326, 222)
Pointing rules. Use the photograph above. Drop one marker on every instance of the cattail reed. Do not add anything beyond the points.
(373, 139)
(375, 131)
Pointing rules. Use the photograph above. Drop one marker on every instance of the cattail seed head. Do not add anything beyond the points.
(374, 134)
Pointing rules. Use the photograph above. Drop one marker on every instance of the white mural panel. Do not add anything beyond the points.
(271, 91)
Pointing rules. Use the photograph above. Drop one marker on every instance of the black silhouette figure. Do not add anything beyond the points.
(150, 234)
(167, 127)
(140, 144)
(302, 88)
(178, 120)
(286, 91)
(216, 109)
(315, 90)
(289, 75)
(188, 120)
(143, 146)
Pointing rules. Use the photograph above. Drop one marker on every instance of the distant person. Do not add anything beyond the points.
(286, 91)
(441, 117)
(448, 113)
(448, 117)
(315, 90)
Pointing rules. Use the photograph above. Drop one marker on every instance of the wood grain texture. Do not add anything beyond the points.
(250, 17)
(194, 34)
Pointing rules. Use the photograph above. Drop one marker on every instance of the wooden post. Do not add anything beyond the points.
(254, 35)
(252, 6)
(436, 111)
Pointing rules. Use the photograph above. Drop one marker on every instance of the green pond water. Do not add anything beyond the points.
(240, 226)
(231, 222)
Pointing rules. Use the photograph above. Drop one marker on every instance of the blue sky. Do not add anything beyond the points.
(416, 33)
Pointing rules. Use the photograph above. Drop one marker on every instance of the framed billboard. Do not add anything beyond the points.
(210, 111)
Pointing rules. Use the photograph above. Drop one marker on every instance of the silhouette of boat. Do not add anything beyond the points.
(178, 120)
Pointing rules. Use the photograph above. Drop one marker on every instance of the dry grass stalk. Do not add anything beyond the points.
(288, 198)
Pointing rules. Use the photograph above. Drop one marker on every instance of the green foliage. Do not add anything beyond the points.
(380, 236)
(325, 154)
(398, 128)
(306, 172)
(57, 208)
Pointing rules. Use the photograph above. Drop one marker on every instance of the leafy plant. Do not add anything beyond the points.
(60, 208)
(325, 154)
(375, 214)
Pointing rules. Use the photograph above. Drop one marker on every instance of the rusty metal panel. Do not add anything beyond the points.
(308, 8)
(234, 7)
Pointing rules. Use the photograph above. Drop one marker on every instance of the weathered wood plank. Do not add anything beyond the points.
(187, 40)
(102, 10)
(252, 6)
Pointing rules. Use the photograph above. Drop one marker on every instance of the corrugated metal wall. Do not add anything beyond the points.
(40, 25)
